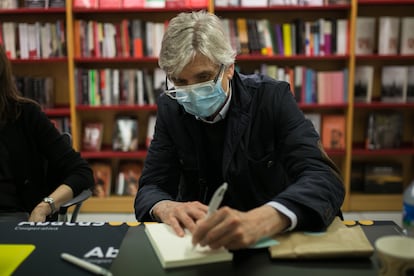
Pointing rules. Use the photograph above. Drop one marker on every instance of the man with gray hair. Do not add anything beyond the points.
(216, 125)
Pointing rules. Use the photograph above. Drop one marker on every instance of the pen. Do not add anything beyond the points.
(217, 198)
(85, 265)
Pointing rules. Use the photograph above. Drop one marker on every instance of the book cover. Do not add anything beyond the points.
(125, 135)
(407, 36)
(133, 3)
(127, 182)
(342, 40)
(35, 3)
(110, 3)
(92, 136)
(174, 251)
(394, 84)
(388, 35)
(333, 131)
(85, 3)
(102, 173)
(364, 77)
(384, 130)
(365, 35)
(57, 3)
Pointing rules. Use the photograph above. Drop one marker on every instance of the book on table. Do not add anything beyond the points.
(174, 251)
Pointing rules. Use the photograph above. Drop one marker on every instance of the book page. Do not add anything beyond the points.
(175, 251)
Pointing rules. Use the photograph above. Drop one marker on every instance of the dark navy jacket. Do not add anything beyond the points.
(271, 153)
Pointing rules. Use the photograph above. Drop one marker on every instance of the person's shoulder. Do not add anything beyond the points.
(258, 80)
(29, 106)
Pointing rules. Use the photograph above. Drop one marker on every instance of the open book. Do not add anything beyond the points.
(175, 251)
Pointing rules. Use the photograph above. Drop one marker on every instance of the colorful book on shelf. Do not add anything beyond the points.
(407, 36)
(287, 39)
(154, 3)
(110, 3)
(330, 87)
(174, 251)
(333, 131)
(384, 130)
(133, 3)
(363, 81)
(243, 35)
(365, 35)
(57, 3)
(125, 135)
(92, 136)
(85, 3)
(127, 182)
(35, 3)
(102, 173)
(388, 35)
(394, 84)
(253, 3)
(342, 39)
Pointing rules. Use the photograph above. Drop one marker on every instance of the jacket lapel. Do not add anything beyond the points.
(238, 121)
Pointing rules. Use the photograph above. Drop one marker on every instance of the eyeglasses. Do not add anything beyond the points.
(183, 92)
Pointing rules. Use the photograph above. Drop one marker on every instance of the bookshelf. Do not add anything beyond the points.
(66, 103)
(403, 155)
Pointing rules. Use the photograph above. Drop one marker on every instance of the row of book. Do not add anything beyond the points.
(323, 36)
(270, 3)
(14, 4)
(195, 4)
(127, 38)
(331, 128)
(97, 87)
(384, 130)
(312, 86)
(377, 178)
(124, 134)
(122, 181)
(397, 83)
(40, 89)
(386, 35)
(33, 40)
(62, 123)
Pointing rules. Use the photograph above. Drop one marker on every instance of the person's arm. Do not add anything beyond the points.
(61, 195)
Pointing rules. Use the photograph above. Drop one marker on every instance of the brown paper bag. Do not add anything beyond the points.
(338, 241)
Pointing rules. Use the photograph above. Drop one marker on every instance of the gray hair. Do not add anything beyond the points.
(190, 33)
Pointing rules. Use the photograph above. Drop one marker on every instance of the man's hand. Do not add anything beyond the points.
(180, 215)
(233, 229)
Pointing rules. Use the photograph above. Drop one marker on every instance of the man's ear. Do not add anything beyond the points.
(230, 71)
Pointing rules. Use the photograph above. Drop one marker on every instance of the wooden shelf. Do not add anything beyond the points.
(371, 202)
(108, 154)
(112, 204)
(117, 108)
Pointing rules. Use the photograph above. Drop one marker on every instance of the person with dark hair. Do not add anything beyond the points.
(216, 125)
(30, 146)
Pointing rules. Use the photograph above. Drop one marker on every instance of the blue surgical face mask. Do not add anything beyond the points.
(201, 99)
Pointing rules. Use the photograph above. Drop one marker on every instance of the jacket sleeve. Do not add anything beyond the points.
(316, 191)
(161, 171)
(67, 164)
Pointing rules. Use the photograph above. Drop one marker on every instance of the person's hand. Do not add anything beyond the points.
(233, 229)
(39, 213)
(180, 215)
